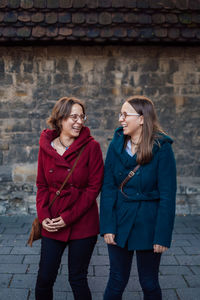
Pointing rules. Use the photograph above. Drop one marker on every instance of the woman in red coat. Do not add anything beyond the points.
(73, 219)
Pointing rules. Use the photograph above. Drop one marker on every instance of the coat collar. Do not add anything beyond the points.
(48, 135)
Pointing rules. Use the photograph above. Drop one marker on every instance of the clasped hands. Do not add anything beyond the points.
(109, 238)
(53, 225)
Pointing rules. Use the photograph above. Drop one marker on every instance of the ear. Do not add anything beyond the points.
(141, 120)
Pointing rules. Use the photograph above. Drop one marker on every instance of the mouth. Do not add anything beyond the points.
(77, 128)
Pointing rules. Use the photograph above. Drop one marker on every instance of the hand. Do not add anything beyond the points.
(48, 225)
(109, 238)
(58, 222)
(159, 248)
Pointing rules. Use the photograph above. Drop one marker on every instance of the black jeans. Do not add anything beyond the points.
(120, 266)
(79, 255)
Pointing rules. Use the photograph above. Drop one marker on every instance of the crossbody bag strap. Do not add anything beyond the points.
(66, 179)
(130, 175)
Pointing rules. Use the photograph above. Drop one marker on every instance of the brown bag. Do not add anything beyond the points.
(35, 233)
(130, 175)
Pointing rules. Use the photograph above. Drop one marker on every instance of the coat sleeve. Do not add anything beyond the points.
(88, 197)
(42, 198)
(167, 191)
(108, 197)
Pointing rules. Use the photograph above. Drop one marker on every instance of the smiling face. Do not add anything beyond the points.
(70, 127)
(132, 125)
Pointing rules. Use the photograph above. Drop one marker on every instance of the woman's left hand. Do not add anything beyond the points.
(58, 222)
(159, 248)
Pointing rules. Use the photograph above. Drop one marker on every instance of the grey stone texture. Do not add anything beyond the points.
(32, 79)
(179, 270)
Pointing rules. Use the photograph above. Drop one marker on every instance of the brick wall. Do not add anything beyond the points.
(33, 78)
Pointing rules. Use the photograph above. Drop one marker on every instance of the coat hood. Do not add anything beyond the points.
(48, 135)
(118, 146)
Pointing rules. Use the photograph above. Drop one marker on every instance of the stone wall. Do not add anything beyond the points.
(33, 78)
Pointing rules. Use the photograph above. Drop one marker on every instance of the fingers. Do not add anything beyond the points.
(159, 249)
(58, 222)
(53, 225)
(48, 225)
(109, 238)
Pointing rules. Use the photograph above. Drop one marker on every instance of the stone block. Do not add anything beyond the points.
(37, 17)
(171, 18)
(143, 4)
(130, 3)
(78, 18)
(52, 4)
(131, 18)
(24, 32)
(23, 281)
(10, 17)
(24, 16)
(64, 17)
(39, 3)
(158, 18)
(188, 294)
(26, 4)
(38, 31)
(79, 3)
(105, 18)
(51, 18)
(13, 3)
(185, 18)
(181, 4)
(17, 294)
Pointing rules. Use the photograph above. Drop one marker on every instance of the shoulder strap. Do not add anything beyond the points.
(130, 175)
(66, 179)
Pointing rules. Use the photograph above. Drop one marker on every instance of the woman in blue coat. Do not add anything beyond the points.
(138, 215)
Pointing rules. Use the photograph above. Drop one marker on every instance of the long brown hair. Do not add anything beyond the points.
(62, 110)
(150, 128)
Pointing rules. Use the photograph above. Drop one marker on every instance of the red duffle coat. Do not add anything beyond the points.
(77, 202)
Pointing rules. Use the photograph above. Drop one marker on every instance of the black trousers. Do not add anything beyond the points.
(120, 266)
(79, 255)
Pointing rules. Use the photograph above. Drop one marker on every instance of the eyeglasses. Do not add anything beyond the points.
(76, 117)
(125, 114)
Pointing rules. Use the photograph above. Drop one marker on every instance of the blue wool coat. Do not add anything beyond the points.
(145, 216)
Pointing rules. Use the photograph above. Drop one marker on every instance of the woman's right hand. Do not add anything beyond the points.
(109, 238)
(49, 225)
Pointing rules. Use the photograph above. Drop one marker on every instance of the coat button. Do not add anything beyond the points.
(51, 171)
(68, 169)
(137, 194)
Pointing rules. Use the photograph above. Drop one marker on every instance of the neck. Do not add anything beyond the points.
(65, 141)
(135, 140)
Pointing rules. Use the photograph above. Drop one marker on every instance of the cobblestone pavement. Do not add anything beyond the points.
(179, 271)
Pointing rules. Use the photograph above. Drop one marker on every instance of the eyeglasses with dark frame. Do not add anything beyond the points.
(125, 114)
(76, 117)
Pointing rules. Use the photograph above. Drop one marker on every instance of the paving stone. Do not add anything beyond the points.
(5, 250)
(169, 294)
(23, 281)
(172, 281)
(188, 260)
(31, 259)
(172, 270)
(25, 250)
(4, 280)
(16, 294)
(193, 280)
(13, 268)
(192, 250)
(131, 296)
(101, 270)
(168, 260)
(173, 251)
(189, 294)
(62, 284)
(11, 259)
(195, 269)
